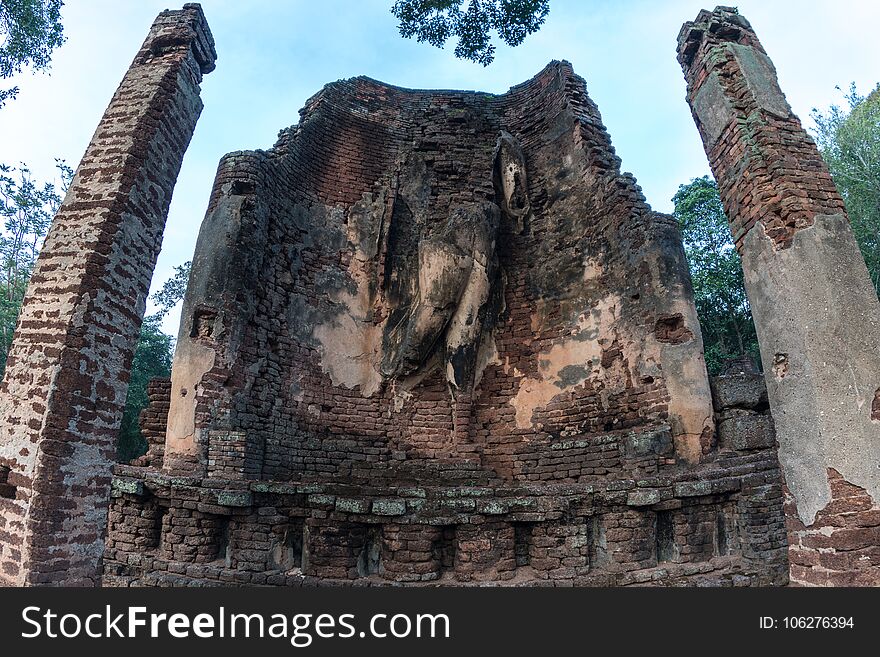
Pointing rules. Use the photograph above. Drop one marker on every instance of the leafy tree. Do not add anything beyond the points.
(436, 21)
(172, 290)
(716, 271)
(152, 359)
(29, 31)
(849, 140)
(27, 208)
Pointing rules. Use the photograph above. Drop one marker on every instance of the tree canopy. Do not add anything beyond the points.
(152, 359)
(716, 272)
(172, 290)
(849, 139)
(30, 30)
(26, 208)
(436, 21)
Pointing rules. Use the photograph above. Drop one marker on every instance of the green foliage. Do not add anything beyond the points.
(436, 21)
(172, 290)
(849, 140)
(29, 31)
(26, 208)
(716, 271)
(152, 359)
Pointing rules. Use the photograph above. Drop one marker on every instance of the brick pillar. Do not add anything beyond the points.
(66, 379)
(153, 421)
(815, 309)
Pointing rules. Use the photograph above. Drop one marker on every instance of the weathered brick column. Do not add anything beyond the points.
(65, 384)
(815, 309)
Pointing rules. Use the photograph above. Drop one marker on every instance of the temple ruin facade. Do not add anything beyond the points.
(438, 337)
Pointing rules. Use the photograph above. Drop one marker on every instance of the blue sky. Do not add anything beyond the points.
(274, 54)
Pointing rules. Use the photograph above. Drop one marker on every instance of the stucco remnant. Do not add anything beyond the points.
(820, 338)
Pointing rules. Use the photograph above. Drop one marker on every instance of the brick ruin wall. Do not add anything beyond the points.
(66, 378)
(815, 308)
(437, 336)
(719, 526)
(153, 422)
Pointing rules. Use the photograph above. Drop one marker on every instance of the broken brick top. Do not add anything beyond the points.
(723, 24)
(768, 168)
(446, 284)
(178, 28)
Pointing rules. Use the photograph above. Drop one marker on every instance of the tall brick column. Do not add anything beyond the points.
(815, 309)
(62, 397)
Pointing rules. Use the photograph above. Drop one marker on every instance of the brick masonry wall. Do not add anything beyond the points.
(767, 167)
(64, 388)
(542, 415)
(153, 422)
(302, 263)
(842, 547)
(815, 309)
(718, 524)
